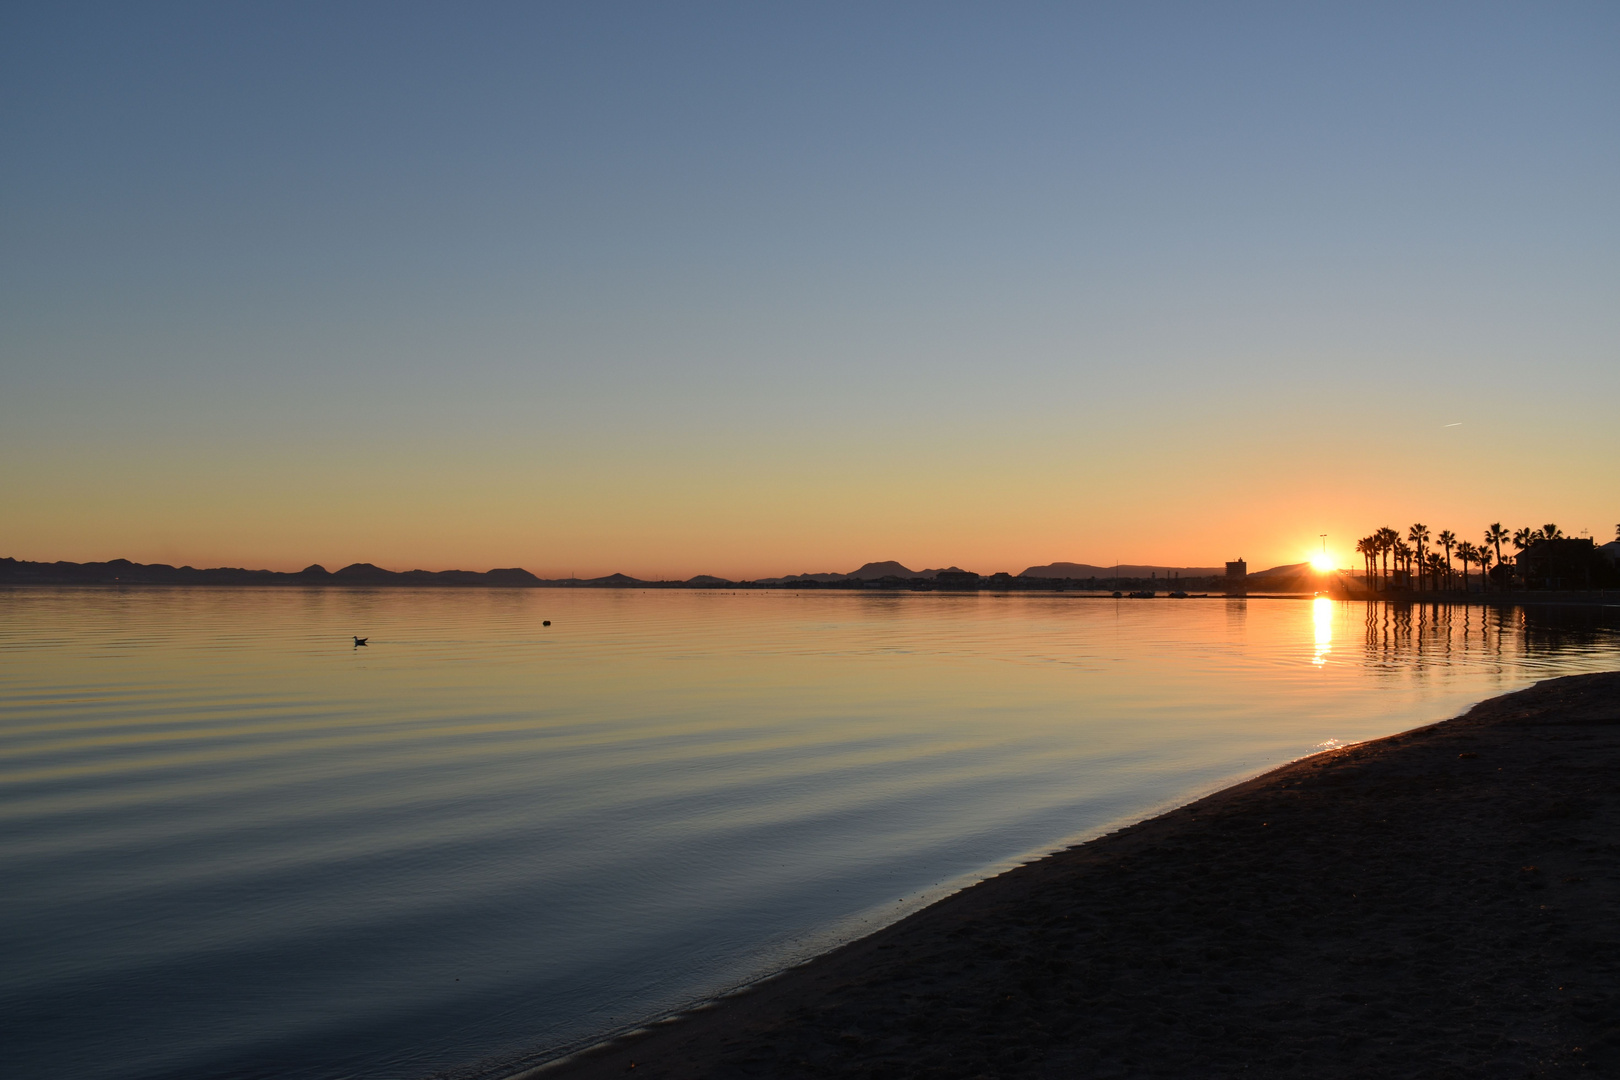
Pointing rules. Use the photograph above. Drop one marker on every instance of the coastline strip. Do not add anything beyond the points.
(1438, 903)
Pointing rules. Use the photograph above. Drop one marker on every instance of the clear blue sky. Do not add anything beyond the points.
(763, 288)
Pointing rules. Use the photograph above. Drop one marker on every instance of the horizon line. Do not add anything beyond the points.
(317, 569)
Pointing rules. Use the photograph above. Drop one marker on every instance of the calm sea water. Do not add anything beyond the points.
(234, 845)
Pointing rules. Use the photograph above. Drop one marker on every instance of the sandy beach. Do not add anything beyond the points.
(1435, 904)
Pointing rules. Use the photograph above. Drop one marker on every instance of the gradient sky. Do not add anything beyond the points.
(763, 288)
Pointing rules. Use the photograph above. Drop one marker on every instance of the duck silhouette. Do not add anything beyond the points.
(359, 641)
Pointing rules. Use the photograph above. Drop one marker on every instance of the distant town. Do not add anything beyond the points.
(1541, 558)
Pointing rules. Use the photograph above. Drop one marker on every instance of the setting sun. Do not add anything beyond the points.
(1322, 562)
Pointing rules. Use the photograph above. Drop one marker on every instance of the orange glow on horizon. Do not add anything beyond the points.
(748, 516)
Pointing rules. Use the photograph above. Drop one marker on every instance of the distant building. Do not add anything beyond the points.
(1237, 576)
(956, 579)
(1571, 563)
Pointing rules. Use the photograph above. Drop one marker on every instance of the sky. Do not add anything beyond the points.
(756, 289)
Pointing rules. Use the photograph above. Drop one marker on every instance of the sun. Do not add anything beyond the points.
(1322, 563)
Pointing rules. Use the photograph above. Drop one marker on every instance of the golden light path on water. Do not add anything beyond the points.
(234, 842)
(1322, 620)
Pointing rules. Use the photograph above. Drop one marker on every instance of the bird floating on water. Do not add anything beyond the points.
(359, 641)
(545, 622)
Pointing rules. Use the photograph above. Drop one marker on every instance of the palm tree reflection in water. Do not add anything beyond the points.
(1429, 638)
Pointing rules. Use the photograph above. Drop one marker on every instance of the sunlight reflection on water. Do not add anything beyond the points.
(1322, 617)
(233, 840)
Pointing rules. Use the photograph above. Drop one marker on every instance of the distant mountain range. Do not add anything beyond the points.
(1082, 571)
(872, 571)
(124, 572)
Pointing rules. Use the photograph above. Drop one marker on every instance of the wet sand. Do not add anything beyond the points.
(1442, 903)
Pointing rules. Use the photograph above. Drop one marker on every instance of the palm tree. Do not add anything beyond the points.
(1447, 538)
(1494, 535)
(1482, 556)
(1419, 535)
(1437, 566)
(1386, 546)
(1551, 532)
(1522, 539)
(1403, 560)
(1532, 537)
(1367, 548)
(1465, 555)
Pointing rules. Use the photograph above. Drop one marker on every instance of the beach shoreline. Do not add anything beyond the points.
(1435, 903)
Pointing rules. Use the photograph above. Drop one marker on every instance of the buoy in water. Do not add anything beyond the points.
(545, 622)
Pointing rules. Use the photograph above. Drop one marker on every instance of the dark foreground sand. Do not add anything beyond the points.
(1444, 903)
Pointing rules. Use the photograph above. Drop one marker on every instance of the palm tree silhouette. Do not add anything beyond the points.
(1522, 539)
(1387, 538)
(1447, 538)
(1386, 555)
(1437, 566)
(1465, 555)
(1367, 548)
(1494, 535)
(1419, 535)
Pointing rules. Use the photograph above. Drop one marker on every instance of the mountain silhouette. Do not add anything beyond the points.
(1081, 571)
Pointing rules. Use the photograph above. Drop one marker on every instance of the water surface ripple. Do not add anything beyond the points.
(234, 845)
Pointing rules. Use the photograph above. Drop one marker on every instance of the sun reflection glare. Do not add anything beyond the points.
(1322, 616)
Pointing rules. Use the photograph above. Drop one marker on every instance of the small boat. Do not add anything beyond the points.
(1178, 596)
(1144, 594)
